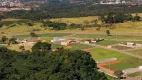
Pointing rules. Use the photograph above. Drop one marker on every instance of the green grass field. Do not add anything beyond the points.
(125, 60)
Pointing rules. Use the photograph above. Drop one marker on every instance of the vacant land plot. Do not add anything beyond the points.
(113, 37)
(137, 52)
(78, 20)
(135, 74)
(16, 47)
(73, 47)
(80, 46)
(121, 47)
(107, 42)
(47, 39)
(125, 60)
(45, 35)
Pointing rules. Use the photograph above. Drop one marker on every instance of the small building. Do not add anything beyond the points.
(109, 46)
(69, 42)
(57, 40)
(140, 68)
(87, 41)
(130, 43)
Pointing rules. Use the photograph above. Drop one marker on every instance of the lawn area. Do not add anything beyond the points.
(114, 37)
(125, 60)
(137, 52)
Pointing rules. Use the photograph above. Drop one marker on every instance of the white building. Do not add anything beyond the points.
(56, 39)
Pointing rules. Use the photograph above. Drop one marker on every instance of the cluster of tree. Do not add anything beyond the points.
(70, 10)
(1, 17)
(33, 34)
(12, 40)
(31, 15)
(54, 25)
(61, 26)
(1, 25)
(119, 18)
(44, 64)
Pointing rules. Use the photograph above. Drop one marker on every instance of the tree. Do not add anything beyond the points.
(119, 74)
(54, 25)
(94, 21)
(61, 65)
(22, 48)
(13, 40)
(1, 25)
(1, 17)
(128, 17)
(3, 49)
(30, 24)
(137, 18)
(41, 47)
(32, 34)
(119, 18)
(86, 22)
(108, 32)
(4, 39)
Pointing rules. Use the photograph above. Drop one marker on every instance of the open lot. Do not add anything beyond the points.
(108, 42)
(112, 37)
(137, 52)
(125, 61)
(45, 35)
(135, 74)
(79, 20)
(121, 47)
